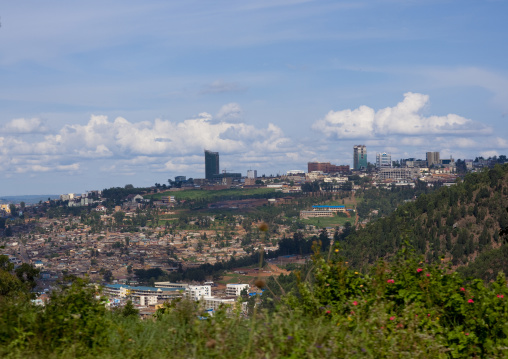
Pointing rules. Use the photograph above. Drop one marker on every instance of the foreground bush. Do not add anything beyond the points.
(401, 309)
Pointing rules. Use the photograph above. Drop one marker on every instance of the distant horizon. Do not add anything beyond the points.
(90, 99)
(28, 198)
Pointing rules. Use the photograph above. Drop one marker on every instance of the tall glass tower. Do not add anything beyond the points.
(211, 164)
(360, 157)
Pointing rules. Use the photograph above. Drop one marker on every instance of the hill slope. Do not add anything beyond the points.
(456, 223)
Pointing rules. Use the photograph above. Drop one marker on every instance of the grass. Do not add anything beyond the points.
(236, 278)
(402, 309)
(196, 194)
(347, 203)
(328, 221)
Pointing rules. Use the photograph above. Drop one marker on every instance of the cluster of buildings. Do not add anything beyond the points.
(152, 298)
(384, 168)
(85, 199)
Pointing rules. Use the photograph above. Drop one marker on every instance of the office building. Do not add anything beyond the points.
(252, 174)
(433, 159)
(326, 167)
(383, 160)
(399, 174)
(413, 162)
(211, 164)
(360, 157)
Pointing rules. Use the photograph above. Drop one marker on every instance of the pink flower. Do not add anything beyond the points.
(428, 315)
(466, 333)
(356, 303)
(328, 312)
(470, 301)
(462, 289)
(500, 296)
(428, 274)
(392, 318)
(390, 281)
(419, 270)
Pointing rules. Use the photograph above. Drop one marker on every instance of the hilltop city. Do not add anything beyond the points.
(138, 242)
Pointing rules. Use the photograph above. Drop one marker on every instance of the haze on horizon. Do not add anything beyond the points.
(97, 94)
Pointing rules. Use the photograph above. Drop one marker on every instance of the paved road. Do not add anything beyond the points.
(23, 254)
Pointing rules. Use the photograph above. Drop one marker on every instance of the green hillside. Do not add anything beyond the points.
(199, 194)
(455, 224)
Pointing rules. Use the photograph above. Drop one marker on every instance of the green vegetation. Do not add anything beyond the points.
(457, 223)
(199, 194)
(322, 222)
(406, 308)
(384, 201)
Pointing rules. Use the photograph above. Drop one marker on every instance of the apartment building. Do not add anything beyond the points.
(236, 289)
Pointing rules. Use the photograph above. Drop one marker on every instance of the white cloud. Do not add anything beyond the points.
(499, 142)
(24, 126)
(403, 119)
(155, 145)
(231, 112)
(487, 154)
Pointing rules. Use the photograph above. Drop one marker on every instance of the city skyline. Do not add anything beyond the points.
(96, 95)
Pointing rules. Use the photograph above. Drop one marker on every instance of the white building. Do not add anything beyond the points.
(211, 303)
(383, 160)
(182, 286)
(236, 289)
(147, 300)
(252, 174)
(66, 197)
(198, 292)
(123, 290)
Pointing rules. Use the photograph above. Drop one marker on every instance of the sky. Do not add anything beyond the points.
(98, 94)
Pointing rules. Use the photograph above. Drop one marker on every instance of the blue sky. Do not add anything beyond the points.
(98, 94)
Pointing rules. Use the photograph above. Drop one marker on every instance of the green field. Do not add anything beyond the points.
(195, 194)
(236, 278)
(328, 221)
(347, 203)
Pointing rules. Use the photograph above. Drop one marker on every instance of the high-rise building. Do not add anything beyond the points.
(252, 174)
(383, 160)
(211, 164)
(432, 158)
(360, 157)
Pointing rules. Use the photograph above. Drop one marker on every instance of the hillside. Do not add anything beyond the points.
(456, 224)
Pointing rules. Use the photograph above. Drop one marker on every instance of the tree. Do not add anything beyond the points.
(27, 274)
(108, 275)
(12, 208)
(119, 217)
(129, 186)
(129, 310)
(8, 231)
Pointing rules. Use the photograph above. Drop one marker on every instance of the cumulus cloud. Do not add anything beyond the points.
(405, 118)
(231, 112)
(159, 144)
(24, 126)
